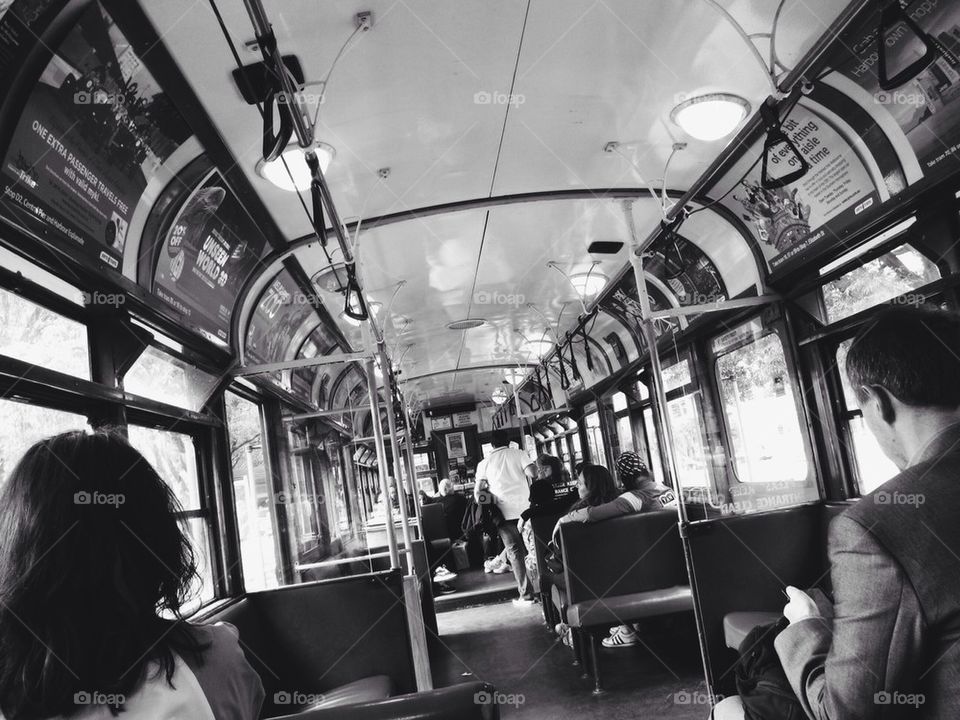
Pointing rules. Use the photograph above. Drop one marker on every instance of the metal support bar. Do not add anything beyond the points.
(395, 452)
(714, 307)
(659, 395)
(340, 561)
(300, 363)
(412, 469)
(382, 466)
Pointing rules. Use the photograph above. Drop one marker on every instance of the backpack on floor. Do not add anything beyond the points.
(761, 683)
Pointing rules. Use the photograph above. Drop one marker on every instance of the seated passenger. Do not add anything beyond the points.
(543, 501)
(641, 493)
(94, 568)
(454, 506)
(891, 648)
(596, 488)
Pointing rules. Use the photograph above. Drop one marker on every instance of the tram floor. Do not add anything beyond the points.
(511, 648)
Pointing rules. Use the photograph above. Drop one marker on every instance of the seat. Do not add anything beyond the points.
(435, 532)
(622, 570)
(737, 625)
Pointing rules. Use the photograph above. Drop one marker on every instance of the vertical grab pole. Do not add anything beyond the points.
(382, 465)
(397, 464)
(669, 465)
(412, 469)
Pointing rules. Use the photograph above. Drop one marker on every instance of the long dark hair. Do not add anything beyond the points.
(556, 467)
(600, 487)
(91, 555)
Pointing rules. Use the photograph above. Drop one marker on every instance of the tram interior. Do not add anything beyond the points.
(313, 257)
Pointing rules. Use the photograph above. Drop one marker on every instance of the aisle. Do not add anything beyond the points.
(511, 648)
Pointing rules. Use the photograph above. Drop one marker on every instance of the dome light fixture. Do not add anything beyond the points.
(538, 347)
(588, 283)
(499, 396)
(276, 172)
(711, 116)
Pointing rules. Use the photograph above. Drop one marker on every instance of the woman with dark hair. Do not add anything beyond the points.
(550, 469)
(94, 568)
(595, 487)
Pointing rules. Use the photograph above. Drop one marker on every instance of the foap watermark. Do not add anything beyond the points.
(98, 97)
(86, 697)
(899, 97)
(498, 698)
(899, 498)
(886, 697)
(295, 697)
(494, 297)
(104, 298)
(696, 697)
(699, 298)
(98, 498)
(498, 98)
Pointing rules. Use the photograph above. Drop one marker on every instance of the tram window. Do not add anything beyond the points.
(625, 434)
(686, 427)
(24, 424)
(41, 337)
(577, 448)
(890, 275)
(676, 375)
(253, 494)
(653, 444)
(159, 376)
(761, 413)
(873, 466)
(598, 452)
(174, 457)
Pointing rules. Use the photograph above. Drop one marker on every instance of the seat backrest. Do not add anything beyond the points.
(434, 521)
(624, 555)
(542, 526)
(315, 636)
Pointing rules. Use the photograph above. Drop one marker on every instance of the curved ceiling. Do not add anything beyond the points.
(477, 100)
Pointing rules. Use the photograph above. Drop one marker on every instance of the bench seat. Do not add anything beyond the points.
(737, 625)
(622, 609)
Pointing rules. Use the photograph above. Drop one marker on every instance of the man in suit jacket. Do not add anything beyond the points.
(892, 648)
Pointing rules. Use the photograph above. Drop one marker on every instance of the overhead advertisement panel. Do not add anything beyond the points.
(208, 252)
(94, 131)
(925, 107)
(282, 310)
(792, 222)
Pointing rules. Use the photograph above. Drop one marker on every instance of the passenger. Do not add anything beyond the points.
(641, 494)
(502, 476)
(891, 649)
(94, 569)
(543, 501)
(550, 469)
(596, 488)
(454, 506)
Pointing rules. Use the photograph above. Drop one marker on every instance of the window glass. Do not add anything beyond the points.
(23, 425)
(577, 448)
(656, 466)
(174, 458)
(619, 402)
(761, 414)
(253, 493)
(890, 275)
(598, 452)
(849, 396)
(203, 589)
(625, 434)
(686, 426)
(164, 378)
(41, 337)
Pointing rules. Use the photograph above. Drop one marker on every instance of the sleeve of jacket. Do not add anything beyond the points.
(612, 509)
(844, 669)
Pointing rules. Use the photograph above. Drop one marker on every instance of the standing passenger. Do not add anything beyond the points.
(501, 479)
(892, 647)
(94, 568)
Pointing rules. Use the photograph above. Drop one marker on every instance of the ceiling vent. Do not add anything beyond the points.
(467, 324)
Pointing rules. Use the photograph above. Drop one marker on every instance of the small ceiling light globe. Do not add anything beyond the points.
(712, 116)
(295, 159)
(499, 396)
(588, 284)
(538, 347)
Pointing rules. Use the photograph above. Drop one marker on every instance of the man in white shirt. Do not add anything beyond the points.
(501, 479)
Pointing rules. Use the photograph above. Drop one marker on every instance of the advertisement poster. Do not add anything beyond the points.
(21, 24)
(925, 107)
(282, 310)
(792, 221)
(94, 131)
(624, 305)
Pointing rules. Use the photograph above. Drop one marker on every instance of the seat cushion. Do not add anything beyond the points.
(627, 608)
(368, 689)
(736, 625)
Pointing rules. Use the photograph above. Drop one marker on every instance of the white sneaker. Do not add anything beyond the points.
(443, 575)
(523, 602)
(623, 637)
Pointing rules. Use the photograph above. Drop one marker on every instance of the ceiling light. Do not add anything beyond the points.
(466, 324)
(538, 347)
(276, 172)
(588, 283)
(710, 117)
(499, 396)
